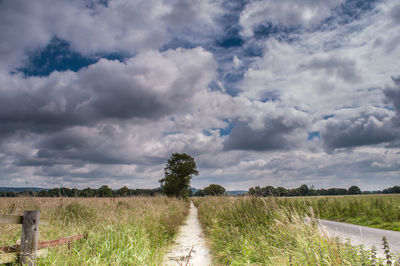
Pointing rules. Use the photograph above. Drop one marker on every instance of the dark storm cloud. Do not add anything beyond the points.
(149, 86)
(393, 94)
(78, 147)
(53, 107)
(368, 128)
(71, 147)
(395, 14)
(36, 106)
(276, 133)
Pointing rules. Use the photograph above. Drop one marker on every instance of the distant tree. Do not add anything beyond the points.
(199, 193)
(178, 171)
(281, 192)
(66, 192)
(88, 192)
(256, 191)
(104, 191)
(304, 190)
(214, 190)
(354, 190)
(123, 192)
(337, 191)
(268, 191)
(54, 192)
(313, 191)
(75, 192)
(252, 191)
(395, 189)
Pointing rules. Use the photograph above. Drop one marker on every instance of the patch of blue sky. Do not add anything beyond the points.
(270, 96)
(347, 12)
(58, 56)
(226, 130)
(176, 42)
(353, 9)
(230, 24)
(93, 3)
(234, 76)
(314, 134)
(326, 117)
(233, 91)
(207, 133)
(387, 107)
(232, 38)
(279, 32)
(214, 86)
(222, 131)
(253, 50)
(168, 133)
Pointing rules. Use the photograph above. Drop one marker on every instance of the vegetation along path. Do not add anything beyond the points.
(190, 247)
(361, 235)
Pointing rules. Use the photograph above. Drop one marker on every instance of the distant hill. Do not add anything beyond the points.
(20, 189)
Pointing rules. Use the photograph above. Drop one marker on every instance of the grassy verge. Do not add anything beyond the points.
(379, 211)
(266, 231)
(122, 231)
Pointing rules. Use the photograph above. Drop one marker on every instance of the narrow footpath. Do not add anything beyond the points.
(190, 247)
(361, 235)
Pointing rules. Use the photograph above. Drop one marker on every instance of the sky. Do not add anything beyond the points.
(262, 92)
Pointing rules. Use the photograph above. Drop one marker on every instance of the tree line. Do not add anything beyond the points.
(211, 190)
(304, 190)
(103, 191)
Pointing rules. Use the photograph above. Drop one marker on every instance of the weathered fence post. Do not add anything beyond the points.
(29, 237)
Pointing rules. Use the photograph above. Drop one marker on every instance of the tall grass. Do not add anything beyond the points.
(122, 231)
(379, 211)
(267, 231)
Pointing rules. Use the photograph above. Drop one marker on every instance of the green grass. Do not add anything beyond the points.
(268, 231)
(122, 231)
(379, 211)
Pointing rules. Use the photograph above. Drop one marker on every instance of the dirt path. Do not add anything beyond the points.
(190, 240)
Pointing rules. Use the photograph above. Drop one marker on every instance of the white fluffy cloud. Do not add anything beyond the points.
(325, 71)
(309, 13)
(90, 28)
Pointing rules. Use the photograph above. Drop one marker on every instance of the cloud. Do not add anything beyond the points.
(148, 86)
(239, 85)
(395, 14)
(288, 13)
(342, 68)
(278, 131)
(118, 26)
(335, 67)
(392, 94)
(367, 127)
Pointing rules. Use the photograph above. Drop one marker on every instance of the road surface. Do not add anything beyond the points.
(362, 235)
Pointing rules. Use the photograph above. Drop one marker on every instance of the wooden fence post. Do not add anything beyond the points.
(29, 237)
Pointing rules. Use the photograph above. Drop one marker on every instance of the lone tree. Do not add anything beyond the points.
(178, 171)
(354, 190)
(214, 190)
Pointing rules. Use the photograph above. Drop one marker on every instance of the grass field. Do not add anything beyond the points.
(379, 211)
(122, 231)
(268, 231)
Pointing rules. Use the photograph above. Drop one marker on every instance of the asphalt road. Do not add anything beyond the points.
(362, 235)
